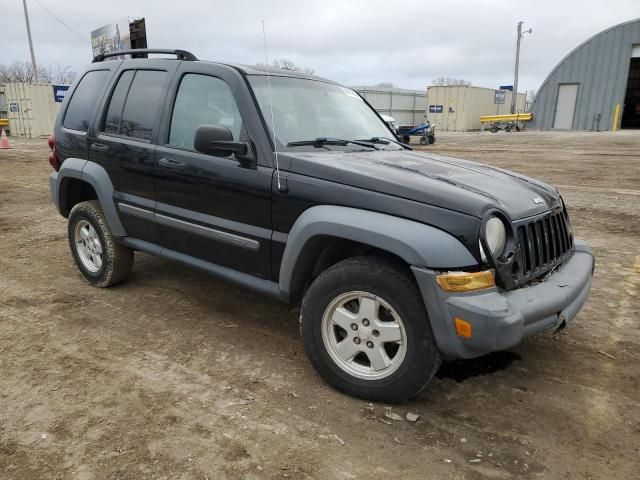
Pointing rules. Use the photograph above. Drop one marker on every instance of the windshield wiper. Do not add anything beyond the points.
(322, 141)
(386, 141)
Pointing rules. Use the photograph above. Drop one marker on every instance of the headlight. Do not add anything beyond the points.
(496, 237)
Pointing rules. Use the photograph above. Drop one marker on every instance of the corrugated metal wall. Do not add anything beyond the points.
(31, 109)
(600, 67)
(462, 106)
(406, 106)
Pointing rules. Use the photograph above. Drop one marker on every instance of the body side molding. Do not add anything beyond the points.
(416, 243)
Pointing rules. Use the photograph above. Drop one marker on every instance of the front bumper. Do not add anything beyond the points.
(500, 319)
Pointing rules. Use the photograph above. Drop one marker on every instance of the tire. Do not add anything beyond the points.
(494, 129)
(413, 362)
(89, 235)
(406, 139)
(432, 139)
(507, 129)
(424, 140)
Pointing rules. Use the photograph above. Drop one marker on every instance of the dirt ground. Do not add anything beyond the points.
(176, 375)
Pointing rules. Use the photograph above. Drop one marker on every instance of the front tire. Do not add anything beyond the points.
(99, 258)
(365, 330)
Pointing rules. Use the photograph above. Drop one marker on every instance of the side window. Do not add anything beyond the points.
(202, 100)
(114, 114)
(84, 99)
(134, 103)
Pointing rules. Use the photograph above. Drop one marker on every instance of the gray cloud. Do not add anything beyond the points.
(357, 42)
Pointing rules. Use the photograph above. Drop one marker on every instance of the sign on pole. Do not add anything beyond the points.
(500, 96)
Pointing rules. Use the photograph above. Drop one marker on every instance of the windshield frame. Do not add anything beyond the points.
(283, 147)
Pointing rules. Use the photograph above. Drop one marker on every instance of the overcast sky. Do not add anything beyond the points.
(353, 42)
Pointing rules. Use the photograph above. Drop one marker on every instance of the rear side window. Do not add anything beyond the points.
(134, 103)
(84, 99)
(114, 115)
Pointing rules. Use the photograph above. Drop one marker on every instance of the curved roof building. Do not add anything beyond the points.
(597, 78)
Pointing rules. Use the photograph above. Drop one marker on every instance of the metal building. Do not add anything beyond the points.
(405, 106)
(596, 86)
(458, 108)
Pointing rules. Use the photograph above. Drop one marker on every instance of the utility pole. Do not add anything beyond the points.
(514, 94)
(33, 55)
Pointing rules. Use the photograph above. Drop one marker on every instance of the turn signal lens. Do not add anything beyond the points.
(466, 282)
(463, 328)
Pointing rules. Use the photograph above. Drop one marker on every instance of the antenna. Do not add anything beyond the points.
(273, 123)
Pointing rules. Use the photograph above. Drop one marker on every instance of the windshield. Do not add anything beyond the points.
(305, 110)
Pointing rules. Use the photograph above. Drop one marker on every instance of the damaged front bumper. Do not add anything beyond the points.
(499, 318)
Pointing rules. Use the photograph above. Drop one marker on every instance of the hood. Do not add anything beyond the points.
(451, 183)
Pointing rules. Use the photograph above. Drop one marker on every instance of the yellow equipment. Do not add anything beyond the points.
(509, 117)
(509, 121)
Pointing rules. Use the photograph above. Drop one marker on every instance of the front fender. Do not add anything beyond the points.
(416, 243)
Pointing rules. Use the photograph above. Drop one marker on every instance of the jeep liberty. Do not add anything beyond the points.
(293, 185)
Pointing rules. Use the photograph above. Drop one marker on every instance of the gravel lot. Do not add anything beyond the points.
(178, 375)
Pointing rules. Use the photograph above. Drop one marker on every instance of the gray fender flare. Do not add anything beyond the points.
(416, 243)
(98, 178)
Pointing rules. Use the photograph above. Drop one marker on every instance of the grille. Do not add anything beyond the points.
(544, 243)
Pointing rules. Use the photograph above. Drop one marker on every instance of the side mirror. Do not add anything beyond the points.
(218, 141)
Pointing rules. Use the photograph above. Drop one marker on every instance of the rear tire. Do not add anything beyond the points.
(494, 129)
(406, 139)
(99, 258)
(386, 350)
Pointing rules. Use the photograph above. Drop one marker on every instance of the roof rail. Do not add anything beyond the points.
(180, 54)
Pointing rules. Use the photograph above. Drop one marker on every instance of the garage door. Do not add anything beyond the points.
(566, 106)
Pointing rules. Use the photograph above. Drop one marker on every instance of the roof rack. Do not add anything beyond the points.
(180, 54)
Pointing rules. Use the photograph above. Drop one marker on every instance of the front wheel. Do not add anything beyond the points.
(365, 330)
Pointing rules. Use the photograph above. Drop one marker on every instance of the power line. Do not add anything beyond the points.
(58, 19)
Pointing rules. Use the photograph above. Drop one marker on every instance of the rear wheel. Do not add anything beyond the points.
(99, 258)
(366, 331)
(406, 139)
(494, 129)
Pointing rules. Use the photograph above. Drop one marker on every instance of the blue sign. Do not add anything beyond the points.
(13, 107)
(435, 108)
(59, 92)
(506, 87)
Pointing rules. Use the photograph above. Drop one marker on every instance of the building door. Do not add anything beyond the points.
(566, 106)
(631, 111)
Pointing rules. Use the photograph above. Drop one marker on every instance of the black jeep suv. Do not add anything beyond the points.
(294, 186)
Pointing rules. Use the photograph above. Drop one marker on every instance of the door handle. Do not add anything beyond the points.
(99, 147)
(172, 164)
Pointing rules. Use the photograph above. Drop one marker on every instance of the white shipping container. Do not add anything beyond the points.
(31, 109)
(459, 108)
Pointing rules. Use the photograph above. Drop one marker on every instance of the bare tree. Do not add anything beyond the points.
(442, 81)
(22, 72)
(385, 85)
(531, 94)
(64, 75)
